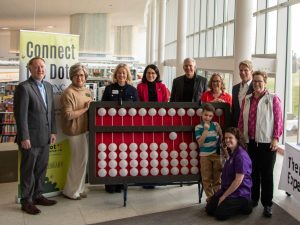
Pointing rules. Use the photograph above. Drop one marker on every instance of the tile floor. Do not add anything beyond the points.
(100, 206)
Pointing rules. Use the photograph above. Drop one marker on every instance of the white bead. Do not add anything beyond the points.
(133, 155)
(164, 171)
(174, 171)
(112, 112)
(154, 171)
(184, 162)
(134, 172)
(123, 163)
(144, 163)
(173, 136)
(152, 112)
(199, 112)
(132, 111)
(102, 172)
(163, 146)
(219, 112)
(123, 172)
(194, 162)
(194, 154)
(122, 112)
(164, 154)
(153, 146)
(144, 155)
(194, 170)
(193, 146)
(181, 112)
(102, 164)
(142, 112)
(191, 112)
(154, 163)
(112, 172)
(101, 112)
(184, 154)
(162, 112)
(123, 155)
(164, 163)
(133, 146)
(184, 170)
(112, 147)
(123, 147)
(144, 171)
(153, 154)
(183, 146)
(133, 163)
(102, 147)
(171, 112)
(101, 155)
(112, 164)
(174, 154)
(143, 146)
(112, 155)
(174, 162)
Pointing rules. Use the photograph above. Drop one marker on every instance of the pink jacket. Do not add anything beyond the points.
(163, 93)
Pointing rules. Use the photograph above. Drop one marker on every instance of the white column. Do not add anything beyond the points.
(181, 35)
(161, 36)
(153, 31)
(148, 35)
(243, 35)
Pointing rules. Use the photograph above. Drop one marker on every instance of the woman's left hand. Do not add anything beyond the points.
(274, 144)
(221, 199)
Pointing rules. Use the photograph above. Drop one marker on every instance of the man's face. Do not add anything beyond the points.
(38, 69)
(189, 69)
(245, 73)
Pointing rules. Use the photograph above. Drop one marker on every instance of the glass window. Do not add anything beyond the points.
(191, 15)
(230, 9)
(219, 41)
(253, 34)
(272, 3)
(219, 12)
(202, 44)
(260, 34)
(293, 79)
(210, 15)
(197, 16)
(196, 46)
(190, 46)
(271, 32)
(209, 43)
(229, 39)
(203, 15)
(261, 4)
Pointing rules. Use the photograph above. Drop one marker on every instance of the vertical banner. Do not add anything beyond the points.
(60, 52)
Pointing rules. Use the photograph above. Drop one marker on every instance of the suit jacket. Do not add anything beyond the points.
(162, 92)
(200, 86)
(34, 120)
(236, 104)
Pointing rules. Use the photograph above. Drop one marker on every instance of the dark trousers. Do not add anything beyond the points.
(229, 207)
(263, 160)
(33, 169)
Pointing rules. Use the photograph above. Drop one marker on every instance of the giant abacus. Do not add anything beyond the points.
(145, 143)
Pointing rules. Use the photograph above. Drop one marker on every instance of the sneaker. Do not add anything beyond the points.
(268, 211)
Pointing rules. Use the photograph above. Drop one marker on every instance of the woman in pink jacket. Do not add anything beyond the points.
(151, 89)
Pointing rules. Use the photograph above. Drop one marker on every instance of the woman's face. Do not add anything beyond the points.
(216, 83)
(230, 141)
(259, 84)
(121, 76)
(78, 80)
(151, 75)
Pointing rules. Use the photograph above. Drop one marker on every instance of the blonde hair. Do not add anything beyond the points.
(124, 66)
(261, 73)
(211, 79)
(247, 63)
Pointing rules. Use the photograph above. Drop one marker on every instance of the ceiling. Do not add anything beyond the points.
(53, 15)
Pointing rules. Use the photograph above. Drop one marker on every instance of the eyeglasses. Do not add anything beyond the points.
(216, 81)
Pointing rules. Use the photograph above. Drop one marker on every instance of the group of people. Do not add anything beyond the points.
(232, 188)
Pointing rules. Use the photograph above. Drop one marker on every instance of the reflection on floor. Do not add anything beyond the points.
(100, 206)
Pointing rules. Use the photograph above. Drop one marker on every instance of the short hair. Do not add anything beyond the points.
(156, 70)
(33, 59)
(238, 135)
(189, 59)
(247, 63)
(77, 67)
(261, 73)
(208, 107)
(124, 66)
(211, 79)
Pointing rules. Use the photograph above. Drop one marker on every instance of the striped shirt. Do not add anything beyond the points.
(210, 143)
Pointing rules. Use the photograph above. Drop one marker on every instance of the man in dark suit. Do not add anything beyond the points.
(188, 87)
(240, 90)
(36, 129)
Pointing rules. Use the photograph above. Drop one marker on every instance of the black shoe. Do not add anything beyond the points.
(44, 201)
(30, 208)
(268, 211)
(254, 203)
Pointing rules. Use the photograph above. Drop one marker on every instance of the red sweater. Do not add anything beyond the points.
(163, 93)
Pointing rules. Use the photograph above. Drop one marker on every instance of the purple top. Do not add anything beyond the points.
(239, 162)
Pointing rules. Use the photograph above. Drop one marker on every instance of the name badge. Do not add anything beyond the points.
(115, 92)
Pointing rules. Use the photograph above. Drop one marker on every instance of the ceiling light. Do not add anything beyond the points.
(50, 26)
(4, 28)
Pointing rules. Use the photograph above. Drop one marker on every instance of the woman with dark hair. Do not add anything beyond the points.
(151, 89)
(234, 197)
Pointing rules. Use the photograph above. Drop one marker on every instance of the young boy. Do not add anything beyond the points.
(208, 134)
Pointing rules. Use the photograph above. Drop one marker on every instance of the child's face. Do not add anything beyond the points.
(207, 116)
